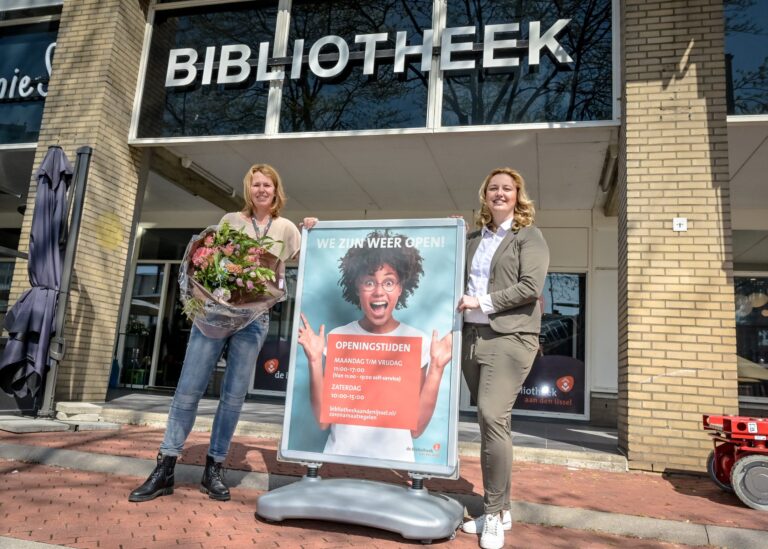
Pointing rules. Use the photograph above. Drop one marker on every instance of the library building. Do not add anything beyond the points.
(641, 129)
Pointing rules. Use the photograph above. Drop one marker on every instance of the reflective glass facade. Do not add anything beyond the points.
(746, 56)
(218, 109)
(354, 100)
(549, 92)
(323, 35)
(23, 74)
(752, 335)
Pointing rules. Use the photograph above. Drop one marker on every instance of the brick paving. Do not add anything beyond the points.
(673, 497)
(90, 510)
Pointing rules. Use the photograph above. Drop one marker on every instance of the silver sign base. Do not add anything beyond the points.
(413, 513)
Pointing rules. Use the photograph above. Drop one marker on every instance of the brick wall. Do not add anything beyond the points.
(90, 101)
(677, 343)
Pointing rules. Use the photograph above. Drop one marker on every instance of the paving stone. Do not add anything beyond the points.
(32, 425)
(72, 408)
(92, 425)
(83, 417)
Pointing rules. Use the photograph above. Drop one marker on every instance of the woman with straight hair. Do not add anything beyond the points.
(264, 198)
(507, 261)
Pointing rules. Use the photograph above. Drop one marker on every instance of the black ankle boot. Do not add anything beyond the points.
(159, 483)
(213, 482)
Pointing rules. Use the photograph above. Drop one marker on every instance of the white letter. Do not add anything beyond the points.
(14, 82)
(314, 52)
(490, 43)
(370, 48)
(175, 65)
(536, 42)
(25, 90)
(298, 53)
(401, 50)
(447, 47)
(240, 63)
(210, 52)
(261, 69)
(3, 87)
(48, 62)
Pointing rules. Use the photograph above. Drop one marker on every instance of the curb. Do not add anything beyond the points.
(568, 458)
(13, 543)
(524, 512)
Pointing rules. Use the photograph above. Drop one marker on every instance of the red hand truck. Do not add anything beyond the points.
(739, 462)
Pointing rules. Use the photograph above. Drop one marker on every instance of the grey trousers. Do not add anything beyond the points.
(495, 366)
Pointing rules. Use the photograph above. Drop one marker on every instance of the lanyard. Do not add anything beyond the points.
(256, 227)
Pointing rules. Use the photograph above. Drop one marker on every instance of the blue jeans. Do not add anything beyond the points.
(201, 357)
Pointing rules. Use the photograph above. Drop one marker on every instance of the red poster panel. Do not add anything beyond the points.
(372, 381)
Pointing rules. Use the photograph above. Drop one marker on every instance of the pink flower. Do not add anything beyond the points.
(201, 257)
(209, 240)
(228, 250)
(239, 282)
(249, 285)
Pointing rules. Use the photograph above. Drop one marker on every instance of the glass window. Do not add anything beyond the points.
(353, 100)
(168, 244)
(215, 109)
(6, 277)
(746, 56)
(40, 10)
(25, 55)
(546, 93)
(9, 238)
(142, 324)
(557, 382)
(272, 363)
(752, 335)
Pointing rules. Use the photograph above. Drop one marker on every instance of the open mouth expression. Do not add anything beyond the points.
(378, 294)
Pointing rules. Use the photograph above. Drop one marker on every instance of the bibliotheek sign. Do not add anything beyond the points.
(232, 63)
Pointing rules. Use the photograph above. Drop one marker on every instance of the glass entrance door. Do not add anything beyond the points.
(173, 335)
(156, 332)
(141, 327)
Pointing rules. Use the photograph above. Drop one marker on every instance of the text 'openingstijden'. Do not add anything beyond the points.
(372, 381)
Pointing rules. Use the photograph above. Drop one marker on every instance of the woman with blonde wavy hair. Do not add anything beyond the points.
(507, 261)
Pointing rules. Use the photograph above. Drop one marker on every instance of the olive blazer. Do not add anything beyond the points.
(518, 270)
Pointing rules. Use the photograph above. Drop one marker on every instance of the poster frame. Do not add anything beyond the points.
(451, 469)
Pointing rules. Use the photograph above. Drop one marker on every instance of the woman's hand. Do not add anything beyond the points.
(440, 350)
(313, 343)
(308, 222)
(468, 302)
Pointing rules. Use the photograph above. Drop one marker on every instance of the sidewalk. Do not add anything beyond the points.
(561, 443)
(70, 489)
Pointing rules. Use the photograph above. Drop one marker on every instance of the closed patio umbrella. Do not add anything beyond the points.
(30, 321)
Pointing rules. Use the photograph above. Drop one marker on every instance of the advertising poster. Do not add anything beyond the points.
(555, 384)
(375, 356)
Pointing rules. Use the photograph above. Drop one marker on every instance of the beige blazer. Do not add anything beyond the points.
(518, 270)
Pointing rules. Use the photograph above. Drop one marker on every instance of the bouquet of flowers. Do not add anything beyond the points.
(227, 279)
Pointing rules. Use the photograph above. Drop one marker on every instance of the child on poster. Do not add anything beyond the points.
(378, 276)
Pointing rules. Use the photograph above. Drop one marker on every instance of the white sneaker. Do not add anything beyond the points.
(493, 533)
(476, 526)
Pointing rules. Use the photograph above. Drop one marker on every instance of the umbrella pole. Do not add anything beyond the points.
(57, 347)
